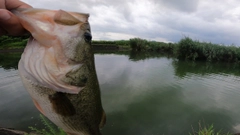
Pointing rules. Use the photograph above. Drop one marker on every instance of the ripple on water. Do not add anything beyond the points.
(212, 91)
(8, 79)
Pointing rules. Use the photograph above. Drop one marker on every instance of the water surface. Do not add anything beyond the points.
(142, 94)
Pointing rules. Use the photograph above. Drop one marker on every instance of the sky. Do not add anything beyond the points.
(216, 21)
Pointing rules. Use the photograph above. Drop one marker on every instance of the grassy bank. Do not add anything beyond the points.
(195, 50)
(10, 42)
(188, 49)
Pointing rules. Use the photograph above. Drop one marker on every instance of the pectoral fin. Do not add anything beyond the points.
(38, 106)
(103, 120)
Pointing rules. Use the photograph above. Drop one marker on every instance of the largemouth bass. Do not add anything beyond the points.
(57, 68)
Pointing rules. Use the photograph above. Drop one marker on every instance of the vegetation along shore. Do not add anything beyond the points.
(185, 49)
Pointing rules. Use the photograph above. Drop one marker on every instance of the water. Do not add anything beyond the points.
(142, 94)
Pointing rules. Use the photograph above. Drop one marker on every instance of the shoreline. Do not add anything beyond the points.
(97, 47)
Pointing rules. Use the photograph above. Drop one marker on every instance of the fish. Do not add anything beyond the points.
(57, 69)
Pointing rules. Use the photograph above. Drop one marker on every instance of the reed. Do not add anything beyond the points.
(185, 49)
(49, 130)
(138, 44)
(208, 130)
(189, 49)
(11, 42)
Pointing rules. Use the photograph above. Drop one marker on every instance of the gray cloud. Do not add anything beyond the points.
(206, 20)
(179, 5)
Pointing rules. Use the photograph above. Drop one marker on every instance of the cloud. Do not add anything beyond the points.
(206, 20)
(178, 5)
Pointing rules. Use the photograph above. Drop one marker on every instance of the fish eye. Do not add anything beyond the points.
(87, 36)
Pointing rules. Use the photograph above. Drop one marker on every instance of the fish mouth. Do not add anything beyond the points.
(58, 46)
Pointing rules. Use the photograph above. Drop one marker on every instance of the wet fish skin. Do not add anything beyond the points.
(58, 70)
(58, 47)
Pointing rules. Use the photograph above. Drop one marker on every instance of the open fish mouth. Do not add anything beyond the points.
(58, 54)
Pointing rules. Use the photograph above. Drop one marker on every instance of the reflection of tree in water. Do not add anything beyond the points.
(9, 60)
(202, 68)
(111, 52)
(165, 113)
(136, 56)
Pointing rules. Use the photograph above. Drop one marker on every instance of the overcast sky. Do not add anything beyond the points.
(216, 21)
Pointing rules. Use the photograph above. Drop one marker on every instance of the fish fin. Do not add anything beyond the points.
(64, 18)
(39, 23)
(61, 104)
(103, 120)
(80, 16)
(38, 106)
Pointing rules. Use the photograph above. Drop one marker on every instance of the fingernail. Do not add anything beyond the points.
(5, 16)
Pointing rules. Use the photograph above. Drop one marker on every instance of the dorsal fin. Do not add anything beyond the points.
(83, 17)
(64, 18)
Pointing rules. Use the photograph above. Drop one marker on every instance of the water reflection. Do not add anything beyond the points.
(9, 60)
(156, 95)
(145, 97)
(182, 68)
(136, 56)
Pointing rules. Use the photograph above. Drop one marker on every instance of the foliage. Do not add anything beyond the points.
(11, 42)
(104, 42)
(195, 50)
(51, 130)
(186, 48)
(117, 42)
(208, 131)
(138, 44)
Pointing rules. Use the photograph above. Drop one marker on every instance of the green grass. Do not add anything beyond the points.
(209, 130)
(49, 130)
(189, 49)
(138, 44)
(11, 42)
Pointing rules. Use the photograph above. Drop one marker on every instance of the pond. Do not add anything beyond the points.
(142, 94)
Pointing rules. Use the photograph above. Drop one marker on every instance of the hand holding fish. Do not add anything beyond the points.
(9, 23)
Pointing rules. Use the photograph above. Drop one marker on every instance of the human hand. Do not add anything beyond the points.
(9, 23)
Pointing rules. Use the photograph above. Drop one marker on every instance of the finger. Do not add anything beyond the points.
(2, 4)
(12, 4)
(10, 23)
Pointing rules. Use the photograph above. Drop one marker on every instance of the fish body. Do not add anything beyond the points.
(57, 69)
